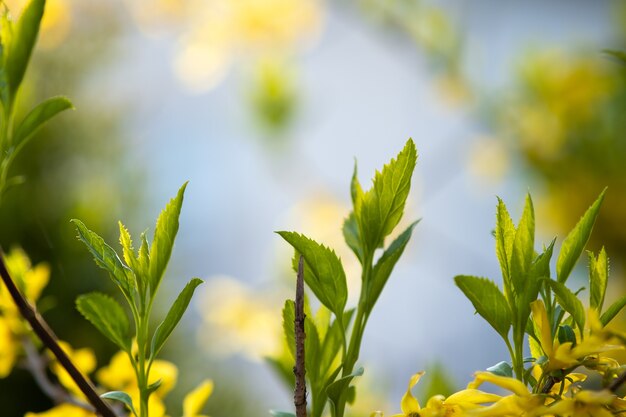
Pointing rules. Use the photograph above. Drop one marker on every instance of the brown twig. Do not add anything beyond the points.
(299, 394)
(49, 339)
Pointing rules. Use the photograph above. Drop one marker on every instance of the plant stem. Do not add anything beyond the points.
(142, 375)
(511, 352)
(299, 395)
(518, 360)
(354, 347)
(49, 339)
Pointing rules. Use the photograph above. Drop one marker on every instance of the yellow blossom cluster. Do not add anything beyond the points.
(31, 280)
(118, 375)
(554, 389)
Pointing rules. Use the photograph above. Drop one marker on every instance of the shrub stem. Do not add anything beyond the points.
(299, 395)
(49, 339)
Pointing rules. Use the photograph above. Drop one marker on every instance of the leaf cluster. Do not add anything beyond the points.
(526, 277)
(138, 278)
(17, 41)
(333, 337)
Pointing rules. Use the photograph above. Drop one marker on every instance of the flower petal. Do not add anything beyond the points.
(195, 400)
(409, 404)
(511, 384)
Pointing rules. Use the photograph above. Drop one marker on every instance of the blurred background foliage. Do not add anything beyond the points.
(558, 122)
(67, 175)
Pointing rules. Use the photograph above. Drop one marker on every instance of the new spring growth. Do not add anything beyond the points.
(332, 345)
(138, 278)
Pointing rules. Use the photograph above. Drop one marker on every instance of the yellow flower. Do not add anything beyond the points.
(520, 403)
(120, 373)
(567, 355)
(195, 400)
(438, 406)
(8, 348)
(63, 410)
(31, 281)
(583, 404)
(120, 376)
(85, 361)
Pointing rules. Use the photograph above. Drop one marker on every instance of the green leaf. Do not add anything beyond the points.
(501, 369)
(323, 271)
(164, 236)
(289, 317)
(122, 397)
(576, 240)
(340, 386)
(570, 303)
(38, 116)
(352, 237)
(332, 344)
(488, 301)
(523, 247)
(6, 34)
(312, 351)
(539, 271)
(598, 278)
(384, 266)
(540, 268)
(22, 43)
(322, 321)
(154, 386)
(314, 365)
(380, 209)
(107, 316)
(356, 191)
(612, 311)
(143, 256)
(566, 334)
(505, 236)
(106, 258)
(128, 251)
(173, 317)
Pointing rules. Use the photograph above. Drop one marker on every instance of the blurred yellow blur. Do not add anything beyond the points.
(56, 23)
(248, 322)
(31, 280)
(215, 35)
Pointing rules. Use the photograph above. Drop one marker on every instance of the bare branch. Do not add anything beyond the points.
(299, 395)
(49, 339)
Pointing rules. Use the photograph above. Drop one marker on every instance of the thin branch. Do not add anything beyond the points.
(299, 395)
(36, 365)
(49, 339)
